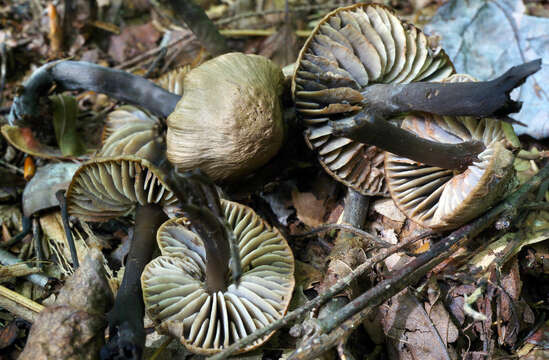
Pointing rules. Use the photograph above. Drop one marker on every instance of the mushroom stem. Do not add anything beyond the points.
(81, 75)
(483, 98)
(373, 130)
(127, 333)
(199, 202)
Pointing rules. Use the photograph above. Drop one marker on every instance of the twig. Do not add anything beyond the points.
(26, 222)
(188, 12)
(156, 61)
(60, 195)
(16, 270)
(19, 305)
(37, 240)
(258, 32)
(3, 66)
(7, 258)
(237, 17)
(320, 299)
(150, 53)
(347, 228)
(13, 168)
(348, 318)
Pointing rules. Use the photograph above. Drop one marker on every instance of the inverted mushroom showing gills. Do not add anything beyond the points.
(110, 187)
(351, 49)
(443, 198)
(181, 301)
(361, 67)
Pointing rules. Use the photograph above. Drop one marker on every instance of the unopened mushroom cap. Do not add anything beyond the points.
(131, 131)
(351, 48)
(441, 198)
(175, 292)
(229, 121)
(106, 188)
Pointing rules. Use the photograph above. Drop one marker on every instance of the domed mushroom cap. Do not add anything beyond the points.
(229, 121)
(351, 48)
(106, 188)
(175, 292)
(131, 131)
(443, 199)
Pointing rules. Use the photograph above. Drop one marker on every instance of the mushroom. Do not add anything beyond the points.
(350, 49)
(228, 123)
(106, 188)
(444, 199)
(194, 298)
(229, 120)
(129, 130)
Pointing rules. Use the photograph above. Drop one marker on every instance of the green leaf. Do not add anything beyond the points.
(65, 113)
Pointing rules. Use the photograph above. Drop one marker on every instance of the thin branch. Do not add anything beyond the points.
(347, 228)
(357, 310)
(320, 299)
(6, 258)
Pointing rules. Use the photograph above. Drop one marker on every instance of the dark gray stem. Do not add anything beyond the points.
(483, 98)
(199, 202)
(373, 130)
(127, 333)
(200, 24)
(81, 75)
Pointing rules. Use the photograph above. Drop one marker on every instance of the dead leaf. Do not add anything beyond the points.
(74, 327)
(309, 209)
(132, 41)
(8, 334)
(65, 112)
(485, 38)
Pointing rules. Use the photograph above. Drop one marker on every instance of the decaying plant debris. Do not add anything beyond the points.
(374, 278)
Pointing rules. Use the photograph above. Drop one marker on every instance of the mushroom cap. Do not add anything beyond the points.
(131, 131)
(229, 122)
(443, 199)
(106, 188)
(39, 193)
(351, 48)
(174, 288)
(173, 80)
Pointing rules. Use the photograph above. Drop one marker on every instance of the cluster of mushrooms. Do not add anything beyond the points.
(442, 168)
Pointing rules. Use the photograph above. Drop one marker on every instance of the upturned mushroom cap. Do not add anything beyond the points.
(229, 121)
(175, 293)
(106, 188)
(350, 49)
(131, 131)
(444, 199)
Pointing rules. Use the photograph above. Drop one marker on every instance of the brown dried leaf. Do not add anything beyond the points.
(310, 210)
(74, 327)
(8, 335)
(413, 334)
(133, 41)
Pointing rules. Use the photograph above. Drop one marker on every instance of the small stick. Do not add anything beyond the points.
(19, 305)
(6, 258)
(348, 318)
(26, 224)
(347, 228)
(37, 240)
(60, 195)
(320, 299)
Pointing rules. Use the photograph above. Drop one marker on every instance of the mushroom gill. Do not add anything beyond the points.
(176, 296)
(350, 49)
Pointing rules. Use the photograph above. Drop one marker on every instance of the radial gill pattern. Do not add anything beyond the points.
(175, 293)
(443, 199)
(106, 188)
(131, 131)
(173, 80)
(351, 48)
